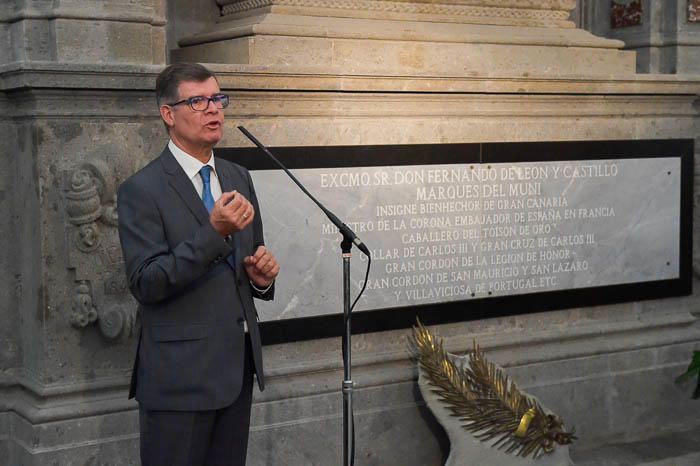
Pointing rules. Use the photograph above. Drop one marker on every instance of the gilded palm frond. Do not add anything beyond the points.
(489, 404)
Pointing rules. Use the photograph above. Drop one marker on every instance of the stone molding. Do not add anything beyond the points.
(566, 5)
(326, 103)
(78, 401)
(120, 78)
(661, 39)
(371, 26)
(574, 341)
(376, 105)
(106, 31)
(130, 13)
(310, 368)
(458, 11)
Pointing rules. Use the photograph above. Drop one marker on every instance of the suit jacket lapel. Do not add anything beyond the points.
(228, 183)
(183, 186)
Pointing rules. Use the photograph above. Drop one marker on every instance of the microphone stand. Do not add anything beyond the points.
(349, 238)
(348, 416)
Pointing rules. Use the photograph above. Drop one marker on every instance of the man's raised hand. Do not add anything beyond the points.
(262, 267)
(232, 212)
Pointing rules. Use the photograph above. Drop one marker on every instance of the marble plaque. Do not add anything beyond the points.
(454, 232)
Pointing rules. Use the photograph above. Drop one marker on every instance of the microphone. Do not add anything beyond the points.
(346, 231)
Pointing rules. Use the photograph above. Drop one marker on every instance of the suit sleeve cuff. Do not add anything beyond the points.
(262, 291)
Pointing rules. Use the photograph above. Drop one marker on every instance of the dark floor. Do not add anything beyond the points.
(676, 449)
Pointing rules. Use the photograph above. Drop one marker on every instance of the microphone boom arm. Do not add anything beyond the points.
(345, 230)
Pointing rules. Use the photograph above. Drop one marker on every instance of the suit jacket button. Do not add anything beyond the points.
(240, 321)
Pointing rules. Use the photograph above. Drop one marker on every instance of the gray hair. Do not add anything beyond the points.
(168, 80)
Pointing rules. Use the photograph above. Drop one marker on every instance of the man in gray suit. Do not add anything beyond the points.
(192, 240)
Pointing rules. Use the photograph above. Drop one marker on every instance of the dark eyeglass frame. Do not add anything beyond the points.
(220, 101)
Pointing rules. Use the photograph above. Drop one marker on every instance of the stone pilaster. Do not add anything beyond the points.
(666, 39)
(468, 37)
(69, 31)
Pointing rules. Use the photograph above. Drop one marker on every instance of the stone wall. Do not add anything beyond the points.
(107, 31)
(665, 41)
(74, 125)
(10, 348)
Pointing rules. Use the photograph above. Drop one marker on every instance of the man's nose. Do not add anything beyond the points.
(211, 107)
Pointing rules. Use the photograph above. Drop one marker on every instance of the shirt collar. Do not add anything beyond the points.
(189, 163)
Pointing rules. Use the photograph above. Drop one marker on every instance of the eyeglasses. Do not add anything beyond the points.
(199, 103)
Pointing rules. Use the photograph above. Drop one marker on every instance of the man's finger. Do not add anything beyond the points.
(267, 265)
(237, 207)
(262, 263)
(260, 251)
(247, 214)
(227, 197)
(272, 273)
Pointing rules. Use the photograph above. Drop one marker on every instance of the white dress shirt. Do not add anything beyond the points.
(192, 166)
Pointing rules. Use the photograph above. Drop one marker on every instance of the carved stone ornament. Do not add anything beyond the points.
(694, 11)
(100, 296)
(114, 320)
(84, 312)
(88, 237)
(109, 213)
(541, 13)
(625, 13)
(83, 203)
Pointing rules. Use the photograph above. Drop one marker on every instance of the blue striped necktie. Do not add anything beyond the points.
(208, 199)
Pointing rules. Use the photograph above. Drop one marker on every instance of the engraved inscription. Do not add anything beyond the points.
(456, 232)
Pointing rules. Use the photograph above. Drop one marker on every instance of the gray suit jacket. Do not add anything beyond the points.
(192, 302)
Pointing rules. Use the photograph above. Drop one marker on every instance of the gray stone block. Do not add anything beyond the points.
(69, 31)
(670, 449)
(392, 427)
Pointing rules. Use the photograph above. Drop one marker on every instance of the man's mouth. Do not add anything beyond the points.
(213, 124)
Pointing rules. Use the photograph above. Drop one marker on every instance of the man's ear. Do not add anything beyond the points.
(166, 113)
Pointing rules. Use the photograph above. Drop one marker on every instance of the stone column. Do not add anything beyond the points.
(465, 37)
(665, 35)
(66, 341)
(74, 31)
